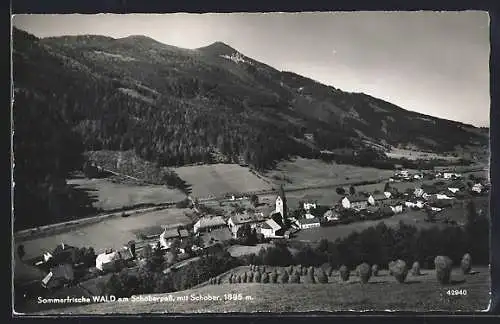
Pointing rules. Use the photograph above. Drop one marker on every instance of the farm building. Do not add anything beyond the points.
(331, 216)
(308, 223)
(271, 229)
(477, 188)
(59, 276)
(308, 206)
(108, 261)
(377, 199)
(126, 254)
(418, 192)
(206, 224)
(355, 202)
(236, 221)
(167, 236)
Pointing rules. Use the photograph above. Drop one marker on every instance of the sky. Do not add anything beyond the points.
(436, 63)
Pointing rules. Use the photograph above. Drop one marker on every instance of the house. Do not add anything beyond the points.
(451, 175)
(235, 222)
(59, 276)
(477, 188)
(309, 216)
(271, 229)
(346, 204)
(402, 174)
(442, 196)
(331, 216)
(357, 202)
(387, 194)
(418, 192)
(377, 199)
(308, 206)
(126, 254)
(308, 223)
(167, 237)
(397, 209)
(183, 233)
(206, 224)
(108, 261)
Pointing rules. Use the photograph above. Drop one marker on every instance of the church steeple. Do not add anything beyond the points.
(281, 206)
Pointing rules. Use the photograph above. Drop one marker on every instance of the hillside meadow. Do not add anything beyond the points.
(107, 195)
(302, 172)
(214, 180)
(381, 293)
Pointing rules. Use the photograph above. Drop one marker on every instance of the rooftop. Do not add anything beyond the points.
(210, 221)
(308, 221)
(247, 218)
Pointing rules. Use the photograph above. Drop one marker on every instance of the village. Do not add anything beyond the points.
(243, 221)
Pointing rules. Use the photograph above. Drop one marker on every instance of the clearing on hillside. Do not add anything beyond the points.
(421, 293)
(398, 153)
(220, 179)
(303, 172)
(108, 195)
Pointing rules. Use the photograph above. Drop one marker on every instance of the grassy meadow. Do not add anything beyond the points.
(381, 293)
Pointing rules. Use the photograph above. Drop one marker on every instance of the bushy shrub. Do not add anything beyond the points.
(305, 271)
(231, 280)
(257, 277)
(245, 277)
(322, 277)
(250, 277)
(219, 280)
(295, 278)
(364, 272)
(290, 269)
(415, 269)
(238, 279)
(443, 266)
(310, 277)
(274, 276)
(400, 270)
(375, 270)
(344, 273)
(284, 277)
(391, 264)
(330, 271)
(466, 263)
(265, 277)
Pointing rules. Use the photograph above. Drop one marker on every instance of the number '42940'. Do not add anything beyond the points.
(456, 292)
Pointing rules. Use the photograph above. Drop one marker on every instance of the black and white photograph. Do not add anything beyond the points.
(222, 163)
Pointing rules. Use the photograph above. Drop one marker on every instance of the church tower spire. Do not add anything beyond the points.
(281, 206)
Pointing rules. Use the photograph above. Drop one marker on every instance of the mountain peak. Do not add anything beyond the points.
(217, 48)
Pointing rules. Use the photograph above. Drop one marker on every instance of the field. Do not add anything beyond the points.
(239, 250)
(219, 179)
(303, 172)
(382, 293)
(397, 153)
(332, 233)
(109, 233)
(108, 195)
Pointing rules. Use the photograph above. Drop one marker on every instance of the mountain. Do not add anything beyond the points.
(177, 106)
